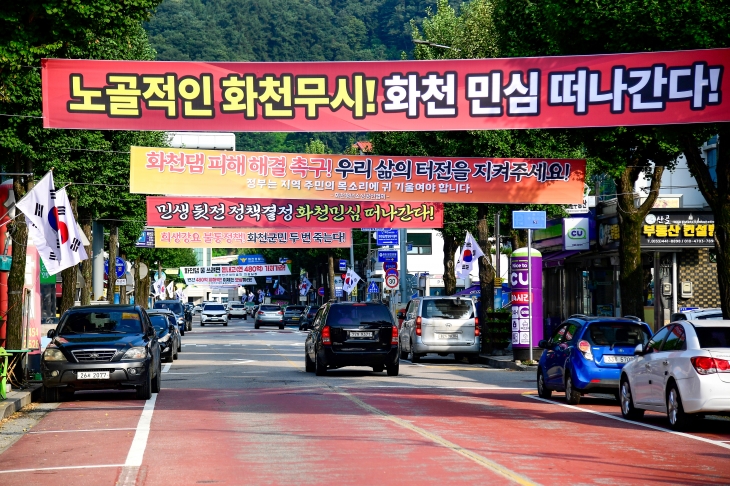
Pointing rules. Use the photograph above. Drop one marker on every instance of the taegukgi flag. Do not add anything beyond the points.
(470, 253)
(305, 286)
(171, 289)
(351, 280)
(159, 287)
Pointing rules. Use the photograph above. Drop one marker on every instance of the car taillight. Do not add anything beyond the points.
(476, 327)
(394, 336)
(280, 313)
(585, 348)
(261, 313)
(326, 335)
(418, 326)
(707, 366)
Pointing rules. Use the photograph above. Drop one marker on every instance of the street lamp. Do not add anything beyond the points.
(433, 44)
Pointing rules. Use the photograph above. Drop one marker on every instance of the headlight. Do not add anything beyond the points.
(139, 352)
(163, 339)
(53, 354)
(180, 320)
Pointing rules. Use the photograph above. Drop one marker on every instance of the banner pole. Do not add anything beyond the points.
(529, 285)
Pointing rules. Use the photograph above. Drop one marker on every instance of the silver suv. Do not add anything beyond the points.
(440, 325)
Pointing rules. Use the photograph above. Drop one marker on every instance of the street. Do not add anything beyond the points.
(238, 408)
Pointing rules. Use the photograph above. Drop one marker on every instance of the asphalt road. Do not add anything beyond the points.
(238, 408)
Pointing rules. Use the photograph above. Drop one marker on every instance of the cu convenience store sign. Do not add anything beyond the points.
(655, 88)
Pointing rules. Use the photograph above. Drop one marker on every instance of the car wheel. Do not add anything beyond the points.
(627, 402)
(678, 418)
(572, 396)
(144, 392)
(309, 366)
(393, 369)
(403, 354)
(157, 381)
(225, 323)
(182, 333)
(542, 390)
(189, 326)
(255, 326)
(281, 326)
(174, 355)
(472, 358)
(378, 368)
(458, 356)
(65, 394)
(50, 395)
(320, 369)
(202, 324)
(168, 358)
(414, 358)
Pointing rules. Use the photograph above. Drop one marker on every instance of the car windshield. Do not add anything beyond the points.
(447, 309)
(610, 334)
(354, 315)
(713, 337)
(296, 308)
(100, 322)
(710, 317)
(175, 307)
(214, 307)
(270, 308)
(236, 306)
(159, 321)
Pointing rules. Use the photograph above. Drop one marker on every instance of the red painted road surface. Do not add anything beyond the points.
(313, 432)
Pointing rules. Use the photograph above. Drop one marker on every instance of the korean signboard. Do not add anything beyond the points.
(146, 239)
(663, 228)
(387, 237)
(648, 88)
(576, 234)
(283, 213)
(251, 238)
(349, 178)
(229, 275)
(387, 255)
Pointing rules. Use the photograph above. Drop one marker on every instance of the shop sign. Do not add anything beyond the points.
(663, 228)
(575, 234)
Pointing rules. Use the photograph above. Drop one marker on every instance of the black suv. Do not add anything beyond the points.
(181, 315)
(352, 334)
(101, 347)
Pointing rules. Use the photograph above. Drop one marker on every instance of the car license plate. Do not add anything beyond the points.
(447, 336)
(92, 375)
(294, 318)
(356, 334)
(617, 359)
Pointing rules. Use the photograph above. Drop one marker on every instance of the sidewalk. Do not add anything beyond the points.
(18, 399)
(504, 362)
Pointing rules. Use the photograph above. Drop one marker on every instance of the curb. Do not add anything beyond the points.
(503, 364)
(19, 399)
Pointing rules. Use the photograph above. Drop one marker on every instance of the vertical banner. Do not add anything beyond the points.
(526, 305)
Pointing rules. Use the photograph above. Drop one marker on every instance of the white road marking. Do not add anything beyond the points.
(434, 387)
(80, 430)
(184, 373)
(10, 471)
(166, 368)
(242, 361)
(139, 443)
(638, 424)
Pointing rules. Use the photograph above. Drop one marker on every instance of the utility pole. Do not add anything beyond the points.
(403, 257)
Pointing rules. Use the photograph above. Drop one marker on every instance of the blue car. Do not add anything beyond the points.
(586, 354)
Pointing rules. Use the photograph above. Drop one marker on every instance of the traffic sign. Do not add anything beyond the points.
(343, 266)
(373, 288)
(388, 265)
(320, 291)
(120, 265)
(529, 220)
(387, 256)
(391, 271)
(387, 237)
(391, 281)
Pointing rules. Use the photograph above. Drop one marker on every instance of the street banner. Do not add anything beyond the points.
(285, 213)
(645, 88)
(352, 178)
(251, 238)
(230, 275)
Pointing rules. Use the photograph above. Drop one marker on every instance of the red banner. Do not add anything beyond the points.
(282, 213)
(652, 88)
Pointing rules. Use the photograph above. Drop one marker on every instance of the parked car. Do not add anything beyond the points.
(214, 314)
(293, 314)
(177, 307)
(440, 325)
(101, 347)
(168, 333)
(170, 315)
(352, 334)
(699, 314)
(269, 315)
(586, 355)
(198, 309)
(188, 315)
(683, 371)
(237, 311)
(308, 317)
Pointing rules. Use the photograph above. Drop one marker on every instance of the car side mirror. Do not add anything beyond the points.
(401, 315)
(639, 350)
(171, 328)
(51, 333)
(543, 344)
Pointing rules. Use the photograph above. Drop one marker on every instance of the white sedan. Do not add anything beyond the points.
(683, 371)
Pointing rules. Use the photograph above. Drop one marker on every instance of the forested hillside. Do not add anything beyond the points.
(285, 30)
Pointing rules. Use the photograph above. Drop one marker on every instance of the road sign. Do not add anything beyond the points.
(391, 271)
(529, 219)
(320, 291)
(391, 281)
(387, 255)
(388, 265)
(343, 266)
(250, 259)
(373, 288)
(387, 237)
(121, 267)
(338, 292)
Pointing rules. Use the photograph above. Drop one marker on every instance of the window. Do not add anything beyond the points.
(113, 322)
(656, 342)
(447, 309)
(559, 335)
(419, 243)
(613, 334)
(675, 340)
(713, 337)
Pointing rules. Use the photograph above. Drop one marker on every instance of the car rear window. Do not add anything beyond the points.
(710, 317)
(610, 334)
(349, 315)
(175, 307)
(295, 308)
(114, 322)
(713, 337)
(447, 309)
(215, 307)
(236, 306)
(269, 308)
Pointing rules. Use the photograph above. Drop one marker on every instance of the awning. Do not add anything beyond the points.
(557, 259)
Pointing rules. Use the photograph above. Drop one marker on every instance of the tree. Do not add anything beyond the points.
(30, 31)
(562, 27)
